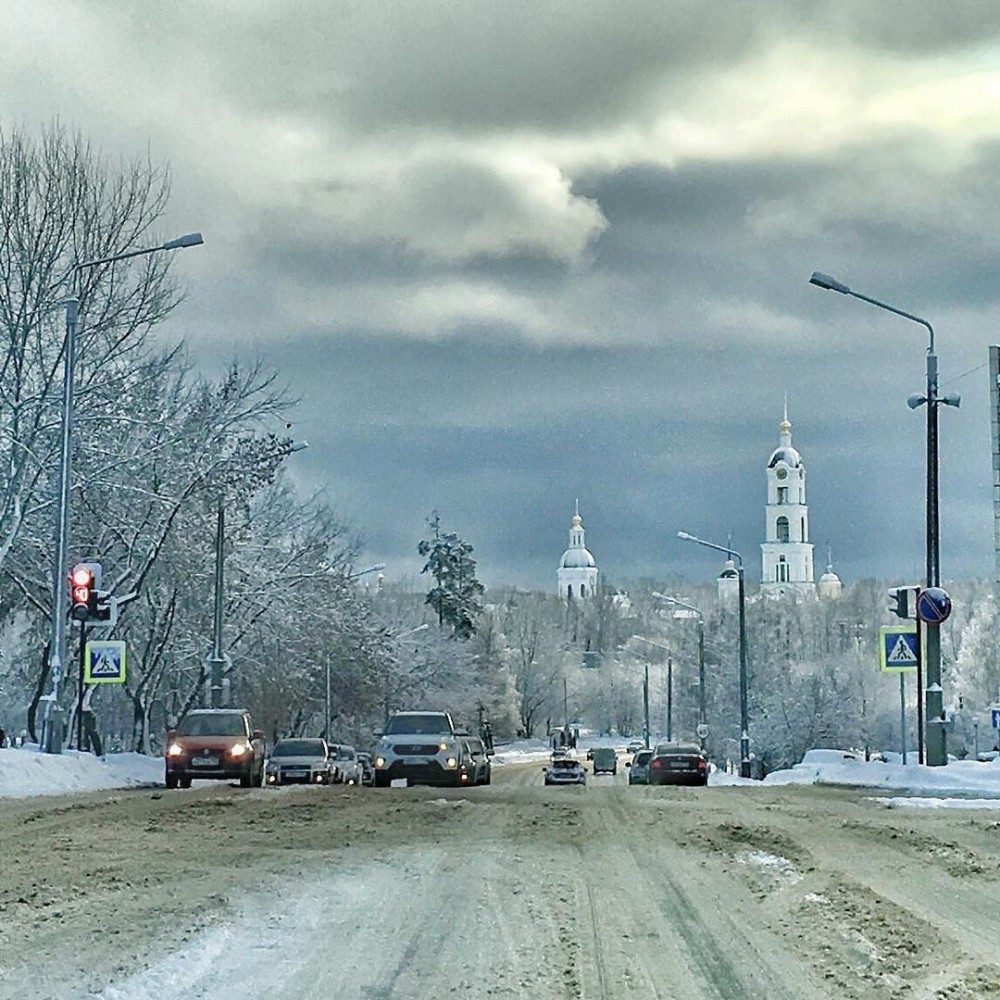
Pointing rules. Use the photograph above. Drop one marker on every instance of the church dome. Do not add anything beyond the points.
(787, 454)
(576, 558)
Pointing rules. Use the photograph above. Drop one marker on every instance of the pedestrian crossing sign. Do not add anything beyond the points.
(899, 648)
(104, 662)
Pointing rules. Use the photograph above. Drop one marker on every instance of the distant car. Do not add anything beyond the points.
(638, 768)
(565, 771)
(367, 769)
(214, 743)
(480, 766)
(299, 761)
(605, 761)
(677, 764)
(635, 746)
(347, 770)
(560, 753)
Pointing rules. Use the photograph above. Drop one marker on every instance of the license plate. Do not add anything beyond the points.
(205, 761)
(680, 765)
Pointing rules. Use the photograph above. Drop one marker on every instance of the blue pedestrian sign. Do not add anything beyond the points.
(933, 605)
(995, 712)
(898, 648)
(104, 662)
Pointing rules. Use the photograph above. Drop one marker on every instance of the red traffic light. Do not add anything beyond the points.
(81, 595)
(82, 577)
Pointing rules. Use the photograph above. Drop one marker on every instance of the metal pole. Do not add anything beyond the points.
(934, 739)
(645, 705)
(670, 699)
(902, 715)
(57, 644)
(79, 690)
(329, 723)
(217, 661)
(744, 712)
(701, 678)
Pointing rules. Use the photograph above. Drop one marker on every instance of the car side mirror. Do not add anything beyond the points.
(628, 763)
(257, 734)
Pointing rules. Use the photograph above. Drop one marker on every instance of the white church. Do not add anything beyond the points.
(577, 573)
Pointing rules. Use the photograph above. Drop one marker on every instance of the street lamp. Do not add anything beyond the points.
(744, 712)
(931, 660)
(690, 609)
(57, 641)
(670, 689)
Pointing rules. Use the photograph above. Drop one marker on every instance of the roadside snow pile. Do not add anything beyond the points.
(841, 767)
(522, 751)
(27, 772)
(916, 802)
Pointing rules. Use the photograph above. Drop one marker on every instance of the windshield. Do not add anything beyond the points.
(345, 753)
(568, 765)
(223, 724)
(430, 724)
(644, 757)
(299, 748)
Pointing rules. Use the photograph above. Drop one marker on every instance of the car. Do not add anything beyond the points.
(565, 771)
(605, 761)
(425, 748)
(482, 766)
(219, 743)
(346, 769)
(635, 746)
(638, 768)
(677, 764)
(367, 769)
(299, 761)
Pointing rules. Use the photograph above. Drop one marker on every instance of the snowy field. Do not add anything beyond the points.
(27, 772)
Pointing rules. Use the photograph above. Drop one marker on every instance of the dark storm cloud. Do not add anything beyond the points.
(513, 254)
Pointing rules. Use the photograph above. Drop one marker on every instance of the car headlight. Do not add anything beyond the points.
(175, 750)
(451, 762)
(238, 750)
(444, 747)
(380, 761)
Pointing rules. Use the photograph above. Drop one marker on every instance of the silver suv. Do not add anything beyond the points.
(425, 748)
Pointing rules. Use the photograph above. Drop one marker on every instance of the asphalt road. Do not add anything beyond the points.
(511, 891)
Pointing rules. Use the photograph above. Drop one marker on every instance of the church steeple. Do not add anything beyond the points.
(787, 555)
(577, 574)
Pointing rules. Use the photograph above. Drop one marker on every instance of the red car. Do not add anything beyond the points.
(215, 743)
(677, 764)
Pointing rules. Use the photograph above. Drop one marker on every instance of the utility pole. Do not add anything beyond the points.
(670, 699)
(217, 661)
(645, 705)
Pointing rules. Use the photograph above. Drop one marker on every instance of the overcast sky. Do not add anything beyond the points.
(513, 253)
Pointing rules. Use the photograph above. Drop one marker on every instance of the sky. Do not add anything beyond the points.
(512, 254)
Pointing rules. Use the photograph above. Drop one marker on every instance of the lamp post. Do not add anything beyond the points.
(218, 660)
(690, 609)
(670, 689)
(744, 711)
(57, 642)
(936, 752)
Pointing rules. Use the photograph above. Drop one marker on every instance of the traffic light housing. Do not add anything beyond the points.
(904, 601)
(83, 593)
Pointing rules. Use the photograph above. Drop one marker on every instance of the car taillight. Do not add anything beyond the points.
(702, 764)
(657, 763)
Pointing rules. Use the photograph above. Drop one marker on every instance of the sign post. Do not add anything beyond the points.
(899, 652)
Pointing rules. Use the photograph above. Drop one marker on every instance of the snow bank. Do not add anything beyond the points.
(917, 802)
(27, 772)
(522, 752)
(841, 767)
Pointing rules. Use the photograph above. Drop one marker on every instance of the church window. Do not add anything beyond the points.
(803, 529)
(782, 494)
(781, 570)
(781, 527)
(569, 592)
(583, 590)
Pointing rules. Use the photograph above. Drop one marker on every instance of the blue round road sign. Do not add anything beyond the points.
(933, 605)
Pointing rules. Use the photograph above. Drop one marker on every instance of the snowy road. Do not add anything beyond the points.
(513, 891)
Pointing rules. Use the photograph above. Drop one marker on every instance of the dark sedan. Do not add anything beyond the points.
(677, 764)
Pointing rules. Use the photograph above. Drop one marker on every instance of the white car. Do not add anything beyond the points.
(565, 771)
(347, 767)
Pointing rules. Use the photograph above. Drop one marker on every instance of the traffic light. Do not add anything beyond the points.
(904, 601)
(83, 594)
